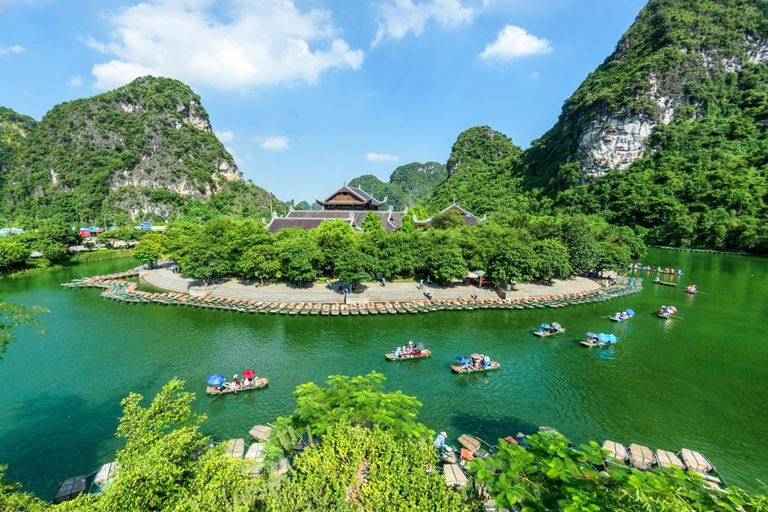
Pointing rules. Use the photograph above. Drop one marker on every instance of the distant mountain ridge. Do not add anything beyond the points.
(144, 150)
(408, 184)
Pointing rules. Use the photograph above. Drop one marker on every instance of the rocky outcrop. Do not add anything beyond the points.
(615, 140)
(145, 148)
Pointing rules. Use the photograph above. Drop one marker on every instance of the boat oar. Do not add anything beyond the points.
(214, 398)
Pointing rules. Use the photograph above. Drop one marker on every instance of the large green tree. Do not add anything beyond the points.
(357, 401)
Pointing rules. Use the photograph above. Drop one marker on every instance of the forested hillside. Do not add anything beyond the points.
(141, 152)
(668, 135)
(408, 184)
(15, 130)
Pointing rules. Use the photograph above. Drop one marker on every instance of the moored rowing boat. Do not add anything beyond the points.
(641, 457)
(616, 451)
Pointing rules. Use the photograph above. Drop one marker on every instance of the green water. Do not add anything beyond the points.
(698, 381)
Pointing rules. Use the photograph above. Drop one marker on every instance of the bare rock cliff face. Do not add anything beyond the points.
(614, 140)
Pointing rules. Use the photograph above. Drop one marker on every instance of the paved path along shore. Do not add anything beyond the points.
(164, 279)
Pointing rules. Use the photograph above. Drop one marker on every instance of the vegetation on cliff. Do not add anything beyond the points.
(144, 151)
(692, 72)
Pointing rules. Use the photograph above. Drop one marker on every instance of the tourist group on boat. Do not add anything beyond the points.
(667, 311)
(599, 340)
(549, 329)
(409, 351)
(474, 363)
(218, 385)
(692, 288)
(620, 316)
(651, 268)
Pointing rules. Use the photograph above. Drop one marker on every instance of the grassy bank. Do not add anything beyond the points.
(101, 255)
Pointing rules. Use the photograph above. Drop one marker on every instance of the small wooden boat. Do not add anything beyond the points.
(235, 448)
(701, 466)
(457, 368)
(255, 457)
(261, 433)
(259, 383)
(696, 461)
(616, 451)
(641, 457)
(669, 460)
(692, 289)
(104, 476)
(447, 454)
(546, 333)
(392, 357)
(454, 475)
(70, 489)
(665, 283)
(665, 314)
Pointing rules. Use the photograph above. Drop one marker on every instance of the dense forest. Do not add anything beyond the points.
(355, 446)
(512, 248)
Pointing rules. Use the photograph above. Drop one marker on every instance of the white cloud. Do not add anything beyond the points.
(75, 81)
(225, 45)
(225, 136)
(514, 42)
(9, 50)
(381, 157)
(398, 17)
(278, 143)
(535, 75)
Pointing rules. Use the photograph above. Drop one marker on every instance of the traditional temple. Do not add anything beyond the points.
(352, 204)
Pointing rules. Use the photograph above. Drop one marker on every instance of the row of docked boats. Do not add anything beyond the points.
(643, 458)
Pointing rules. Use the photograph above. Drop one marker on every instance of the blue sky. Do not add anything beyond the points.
(310, 93)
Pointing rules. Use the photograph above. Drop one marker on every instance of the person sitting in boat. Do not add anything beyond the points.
(398, 352)
(409, 350)
(555, 327)
(236, 384)
(486, 362)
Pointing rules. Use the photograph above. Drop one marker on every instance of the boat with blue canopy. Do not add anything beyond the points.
(549, 330)
(599, 340)
(620, 316)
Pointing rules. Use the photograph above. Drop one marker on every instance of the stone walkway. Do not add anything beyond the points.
(164, 279)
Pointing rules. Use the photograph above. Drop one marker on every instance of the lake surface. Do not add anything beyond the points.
(698, 381)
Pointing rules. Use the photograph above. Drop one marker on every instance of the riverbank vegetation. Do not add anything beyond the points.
(506, 247)
(353, 446)
(48, 248)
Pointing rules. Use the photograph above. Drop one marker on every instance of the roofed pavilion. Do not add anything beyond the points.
(351, 199)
